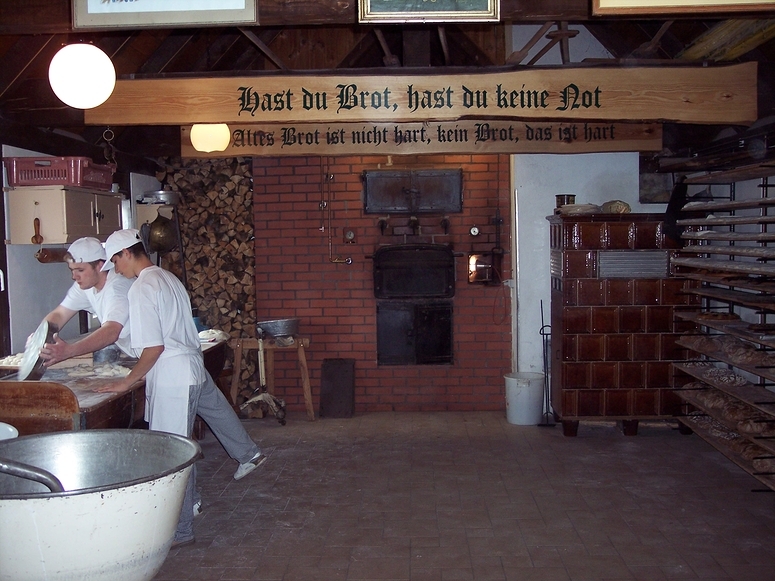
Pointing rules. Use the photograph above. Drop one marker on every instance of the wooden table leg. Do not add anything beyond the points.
(305, 382)
(236, 372)
(269, 368)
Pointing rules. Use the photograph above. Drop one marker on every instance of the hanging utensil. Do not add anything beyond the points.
(37, 238)
(162, 236)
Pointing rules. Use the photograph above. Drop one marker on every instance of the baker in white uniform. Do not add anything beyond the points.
(101, 291)
(162, 330)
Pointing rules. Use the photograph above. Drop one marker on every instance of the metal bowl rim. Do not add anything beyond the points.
(95, 434)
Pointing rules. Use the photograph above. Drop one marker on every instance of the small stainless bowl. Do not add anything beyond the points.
(278, 327)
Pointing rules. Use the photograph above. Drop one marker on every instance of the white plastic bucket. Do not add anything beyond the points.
(524, 398)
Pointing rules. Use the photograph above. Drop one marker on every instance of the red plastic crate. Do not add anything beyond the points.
(58, 171)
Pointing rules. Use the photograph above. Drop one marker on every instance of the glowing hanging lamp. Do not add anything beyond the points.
(209, 137)
(82, 76)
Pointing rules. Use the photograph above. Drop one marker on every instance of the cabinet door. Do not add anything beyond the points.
(108, 214)
(79, 215)
(47, 205)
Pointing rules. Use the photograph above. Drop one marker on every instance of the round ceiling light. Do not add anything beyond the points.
(82, 76)
(209, 137)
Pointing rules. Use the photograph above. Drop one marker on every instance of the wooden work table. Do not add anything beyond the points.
(60, 402)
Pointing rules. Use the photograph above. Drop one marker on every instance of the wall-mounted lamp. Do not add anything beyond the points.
(209, 137)
(82, 76)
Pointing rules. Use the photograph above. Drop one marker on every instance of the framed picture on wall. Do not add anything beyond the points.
(391, 11)
(653, 7)
(169, 13)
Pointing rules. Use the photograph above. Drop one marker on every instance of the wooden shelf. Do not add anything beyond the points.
(754, 395)
(764, 252)
(726, 221)
(751, 283)
(765, 372)
(715, 436)
(737, 329)
(725, 265)
(730, 236)
(730, 205)
(757, 301)
(744, 173)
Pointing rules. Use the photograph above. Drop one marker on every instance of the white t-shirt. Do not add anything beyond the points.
(109, 304)
(160, 314)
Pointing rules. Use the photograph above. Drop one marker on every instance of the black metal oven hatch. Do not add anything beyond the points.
(429, 191)
(412, 333)
(414, 283)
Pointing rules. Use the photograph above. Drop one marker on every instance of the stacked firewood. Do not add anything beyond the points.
(216, 223)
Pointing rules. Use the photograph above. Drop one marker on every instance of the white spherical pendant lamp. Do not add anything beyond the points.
(209, 137)
(82, 76)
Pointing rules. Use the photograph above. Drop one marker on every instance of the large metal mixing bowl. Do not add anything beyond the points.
(115, 519)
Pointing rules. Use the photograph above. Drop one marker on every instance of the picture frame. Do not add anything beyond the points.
(420, 11)
(656, 7)
(99, 14)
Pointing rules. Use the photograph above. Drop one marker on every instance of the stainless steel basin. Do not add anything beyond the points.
(115, 519)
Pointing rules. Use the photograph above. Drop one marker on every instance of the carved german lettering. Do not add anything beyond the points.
(251, 101)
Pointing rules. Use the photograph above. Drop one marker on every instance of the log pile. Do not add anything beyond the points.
(216, 223)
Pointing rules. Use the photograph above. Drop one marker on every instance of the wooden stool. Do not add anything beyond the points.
(270, 346)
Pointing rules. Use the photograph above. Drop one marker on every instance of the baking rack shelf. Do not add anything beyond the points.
(767, 444)
(748, 299)
(725, 265)
(754, 395)
(751, 283)
(727, 251)
(736, 328)
(729, 205)
(729, 236)
(765, 371)
(725, 221)
(760, 253)
(721, 438)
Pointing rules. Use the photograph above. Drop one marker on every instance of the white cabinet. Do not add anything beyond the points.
(64, 213)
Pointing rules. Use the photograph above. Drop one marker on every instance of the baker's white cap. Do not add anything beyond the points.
(88, 250)
(119, 240)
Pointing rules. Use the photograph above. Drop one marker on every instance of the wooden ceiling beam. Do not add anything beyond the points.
(163, 56)
(729, 40)
(18, 59)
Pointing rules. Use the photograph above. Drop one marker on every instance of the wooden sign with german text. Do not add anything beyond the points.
(486, 136)
(685, 94)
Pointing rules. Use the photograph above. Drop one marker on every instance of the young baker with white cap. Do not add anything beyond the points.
(103, 292)
(177, 384)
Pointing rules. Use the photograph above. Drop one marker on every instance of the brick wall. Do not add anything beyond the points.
(297, 241)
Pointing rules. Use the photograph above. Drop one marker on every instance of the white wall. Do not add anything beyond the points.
(594, 178)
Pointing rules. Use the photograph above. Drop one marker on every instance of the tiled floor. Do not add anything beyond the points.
(468, 496)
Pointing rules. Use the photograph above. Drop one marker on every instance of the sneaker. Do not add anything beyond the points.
(184, 542)
(197, 508)
(248, 467)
